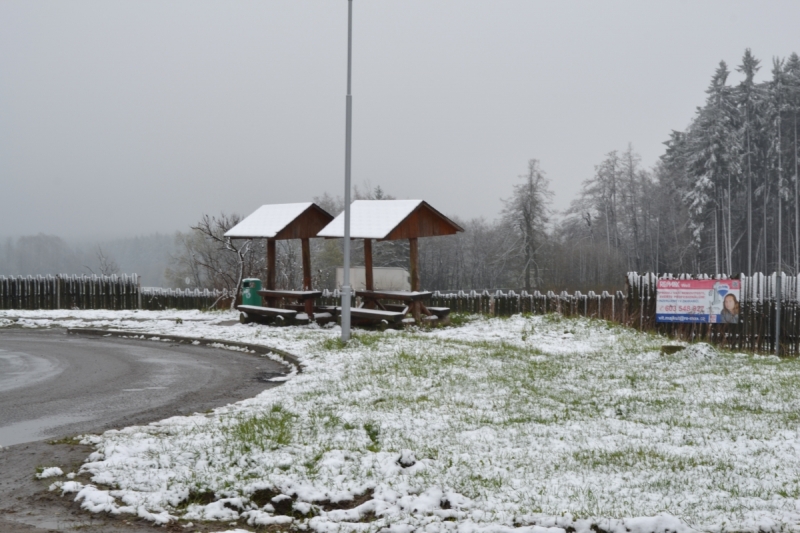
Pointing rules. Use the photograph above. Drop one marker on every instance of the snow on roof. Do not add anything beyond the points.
(371, 219)
(267, 221)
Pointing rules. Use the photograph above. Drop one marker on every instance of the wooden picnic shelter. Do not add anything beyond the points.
(390, 220)
(275, 222)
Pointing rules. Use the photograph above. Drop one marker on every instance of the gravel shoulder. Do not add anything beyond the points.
(84, 383)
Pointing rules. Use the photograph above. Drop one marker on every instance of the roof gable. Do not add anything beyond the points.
(391, 220)
(282, 221)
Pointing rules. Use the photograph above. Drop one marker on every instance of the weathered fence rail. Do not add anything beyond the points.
(605, 306)
(70, 292)
(100, 292)
(157, 298)
(635, 307)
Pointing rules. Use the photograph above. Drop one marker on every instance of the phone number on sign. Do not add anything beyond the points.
(699, 309)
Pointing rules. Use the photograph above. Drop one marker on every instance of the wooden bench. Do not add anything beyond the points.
(332, 309)
(323, 317)
(322, 313)
(377, 315)
(440, 312)
(400, 308)
(305, 298)
(281, 315)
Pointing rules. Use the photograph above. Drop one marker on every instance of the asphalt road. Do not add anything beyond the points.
(54, 385)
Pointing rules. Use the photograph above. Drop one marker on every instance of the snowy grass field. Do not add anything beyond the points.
(525, 422)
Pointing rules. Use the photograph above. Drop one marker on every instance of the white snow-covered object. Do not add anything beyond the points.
(377, 219)
(269, 221)
(50, 472)
(701, 350)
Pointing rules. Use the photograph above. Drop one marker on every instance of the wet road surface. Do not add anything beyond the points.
(54, 385)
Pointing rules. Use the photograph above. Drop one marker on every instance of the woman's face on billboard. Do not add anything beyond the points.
(730, 302)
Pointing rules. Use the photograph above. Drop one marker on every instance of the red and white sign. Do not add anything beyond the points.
(714, 301)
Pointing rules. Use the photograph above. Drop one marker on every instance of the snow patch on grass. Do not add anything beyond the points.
(527, 422)
(700, 350)
(52, 471)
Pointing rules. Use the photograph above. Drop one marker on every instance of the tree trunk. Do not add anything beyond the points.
(764, 229)
(796, 206)
(730, 224)
(716, 244)
(749, 210)
(527, 264)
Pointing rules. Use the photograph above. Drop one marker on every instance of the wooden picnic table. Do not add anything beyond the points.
(414, 299)
(304, 297)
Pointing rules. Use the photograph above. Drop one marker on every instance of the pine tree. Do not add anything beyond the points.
(792, 78)
(714, 161)
(748, 98)
(776, 107)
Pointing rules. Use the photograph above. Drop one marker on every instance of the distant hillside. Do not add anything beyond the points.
(147, 256)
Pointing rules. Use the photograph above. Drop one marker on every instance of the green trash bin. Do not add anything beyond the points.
(250, 288)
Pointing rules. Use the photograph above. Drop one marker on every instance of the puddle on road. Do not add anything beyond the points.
(41, 428)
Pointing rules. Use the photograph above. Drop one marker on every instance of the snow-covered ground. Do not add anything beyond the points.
(527, 422)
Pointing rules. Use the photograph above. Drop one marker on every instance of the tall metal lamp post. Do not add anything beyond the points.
(348, 131)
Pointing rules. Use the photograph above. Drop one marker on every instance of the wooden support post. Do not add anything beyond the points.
(271, 269)
(271, 265)
(368, 264)
(415, 285)
(306, 252)
(306, 248)
(414, 263)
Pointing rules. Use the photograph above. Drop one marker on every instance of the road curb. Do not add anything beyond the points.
(257, 348)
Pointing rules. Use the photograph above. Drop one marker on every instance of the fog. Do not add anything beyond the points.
(128, 118)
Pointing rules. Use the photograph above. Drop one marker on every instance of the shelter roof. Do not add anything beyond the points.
(390, 220)
(282, 221)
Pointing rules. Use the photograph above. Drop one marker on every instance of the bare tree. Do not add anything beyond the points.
(106, 264)
(210, 260)
(527, 212)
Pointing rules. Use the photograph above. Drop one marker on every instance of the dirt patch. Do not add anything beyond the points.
(262, 497)
(346, 504)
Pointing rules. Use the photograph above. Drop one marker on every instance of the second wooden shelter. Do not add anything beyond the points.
(389, 220)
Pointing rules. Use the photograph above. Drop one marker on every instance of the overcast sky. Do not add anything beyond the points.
(125, 118)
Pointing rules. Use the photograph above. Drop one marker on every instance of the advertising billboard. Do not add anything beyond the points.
(701, 301)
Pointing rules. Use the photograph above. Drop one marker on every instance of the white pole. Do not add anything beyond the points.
(348, 131)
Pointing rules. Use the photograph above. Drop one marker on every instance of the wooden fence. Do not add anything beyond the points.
(635, 307)
(157, 298)
(755, 330)
(70, 292)
(498, 303)
(100, 292)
